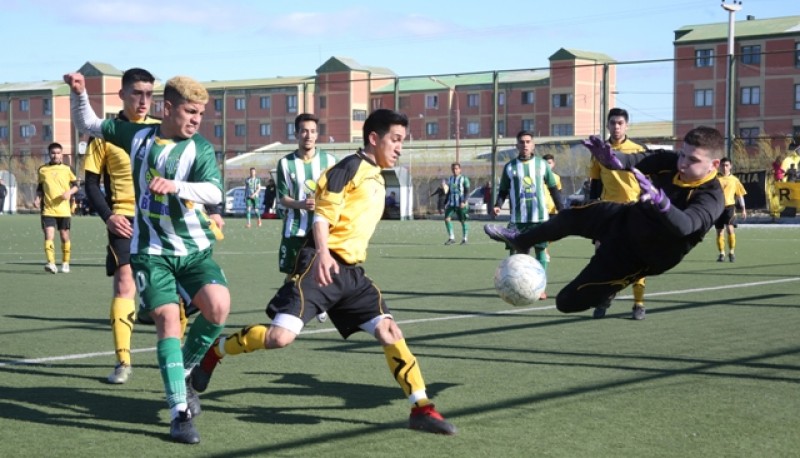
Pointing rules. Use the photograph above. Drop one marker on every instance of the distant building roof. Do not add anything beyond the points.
(344, 64)
(472, 80)
(259, 82)
(570, 54)
(753, 28)
(56, 87)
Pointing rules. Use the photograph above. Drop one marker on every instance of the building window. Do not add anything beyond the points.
(24, 105)
(291, 104)
(217, 104)
(703, 97)
(47, 133)
(359, 115)
(27, 131)
(751, 95)
(240, 130)
(405, 102)
(321, 130)
(561, 130)
(527, 124)
(265, 102)
(290, 131)
(47, 107)
(431, 128)
(240, 104)
(501, 128)
(473, 100)
(562, 100)
(473, 128)
(795, 131)
(323, 102)
(751, 55)
(527, 97)
(797, 96)
(3, 106)
(376, 103)
(749, 135)
(218, 131)
(797, 54)
(3, 131)
(704, 58)
(432, 101)
(158, 106)
(501, 98)
(265, 130)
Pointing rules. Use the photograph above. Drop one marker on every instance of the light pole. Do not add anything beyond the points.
(458, 112)
(731, 8)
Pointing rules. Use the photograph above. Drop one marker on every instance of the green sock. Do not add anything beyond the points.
(541, 256)
(170, 361)
(449, 226)
(201, 335)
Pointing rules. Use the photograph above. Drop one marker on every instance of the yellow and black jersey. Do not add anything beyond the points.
(54, 181)
(350, 197)
(618, 185)
(114, 165)
(731, 188)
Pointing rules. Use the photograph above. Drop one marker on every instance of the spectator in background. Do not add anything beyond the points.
(441, 196)
(3, 194)
(270, 192)
(791, 174)
(777, 170)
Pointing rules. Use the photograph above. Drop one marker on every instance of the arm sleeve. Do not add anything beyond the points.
(555, 194)
(96, 197)
(202, 193)
(84, 117)
(595, 188)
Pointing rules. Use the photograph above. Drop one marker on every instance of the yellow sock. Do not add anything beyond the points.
(638, 292)
(184, 318)
(721, 243)
(732, 242)
(245, 340)
(66, 251)
(50, 251)
(405, 370)
(123, 314)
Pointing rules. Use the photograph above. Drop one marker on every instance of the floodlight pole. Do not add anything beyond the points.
(731, 8)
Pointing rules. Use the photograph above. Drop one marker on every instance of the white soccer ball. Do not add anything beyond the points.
(520, 280)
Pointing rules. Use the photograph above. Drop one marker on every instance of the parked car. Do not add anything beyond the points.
(477, 205)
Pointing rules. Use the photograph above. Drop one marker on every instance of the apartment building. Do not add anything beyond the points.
(766, 95)
(568, 98)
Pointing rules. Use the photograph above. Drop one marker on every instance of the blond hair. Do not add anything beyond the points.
(184, 88)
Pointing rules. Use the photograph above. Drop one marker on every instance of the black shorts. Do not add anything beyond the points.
(62, 223)
(726, 217)
(351, 300)
(118, 252)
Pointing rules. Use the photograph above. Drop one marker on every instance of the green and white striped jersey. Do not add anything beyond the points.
(251, 186)
(458, 189)
(166, 225)
(525, 183)
(297, 179)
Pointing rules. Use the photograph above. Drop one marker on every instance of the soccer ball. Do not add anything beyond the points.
(520, 280)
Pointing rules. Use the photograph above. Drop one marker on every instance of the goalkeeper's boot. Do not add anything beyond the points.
(426, 418)
(732, 257)
(721, 257)
(507, 235)
(639, 312)
(201, 374)
(600, 310)
(181, 429)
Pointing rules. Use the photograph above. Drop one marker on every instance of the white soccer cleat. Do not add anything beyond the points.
(50, 267)
(322, 317)
(65, 268)
(121, 374)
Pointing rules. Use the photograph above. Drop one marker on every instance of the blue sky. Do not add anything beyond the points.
(241, 39)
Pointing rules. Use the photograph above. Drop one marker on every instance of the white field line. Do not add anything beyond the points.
(515, 310)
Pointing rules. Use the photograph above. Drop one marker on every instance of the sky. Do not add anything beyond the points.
(241, 39)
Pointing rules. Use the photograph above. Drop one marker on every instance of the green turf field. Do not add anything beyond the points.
(713, 371)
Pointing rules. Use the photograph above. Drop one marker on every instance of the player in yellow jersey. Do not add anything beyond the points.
(328, 274)
(734, 191)
(57, 185)
(618, 186)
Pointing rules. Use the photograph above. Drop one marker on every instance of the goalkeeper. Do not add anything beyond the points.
(677, 205)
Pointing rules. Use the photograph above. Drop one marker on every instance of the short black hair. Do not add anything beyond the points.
(617, 112)
(548, 157)
(136, 75)
(380, 121)
(523, 133)
(53, 146)
(303, 117)
(708, 138)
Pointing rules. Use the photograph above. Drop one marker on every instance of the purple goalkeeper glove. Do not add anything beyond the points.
(651, 193)
(603, 153)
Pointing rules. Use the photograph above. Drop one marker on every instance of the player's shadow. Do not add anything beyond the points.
(350, 396)
(82, 409)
